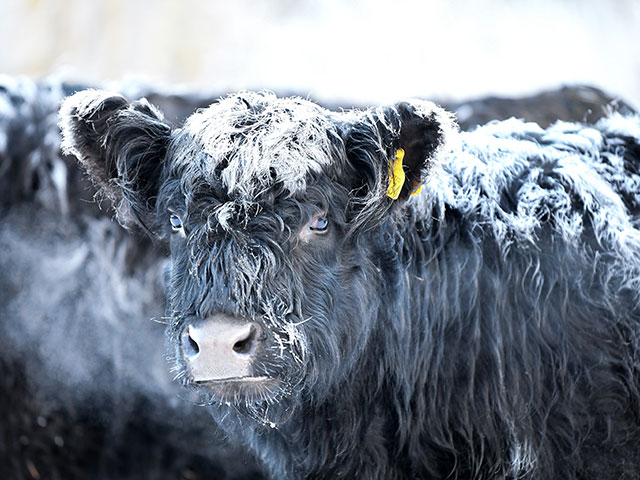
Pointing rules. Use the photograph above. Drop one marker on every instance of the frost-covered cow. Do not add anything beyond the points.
(370, 294)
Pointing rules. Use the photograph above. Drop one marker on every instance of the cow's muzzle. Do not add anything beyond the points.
(220, 348)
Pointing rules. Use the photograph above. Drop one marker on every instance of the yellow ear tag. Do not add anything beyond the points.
(396, 175)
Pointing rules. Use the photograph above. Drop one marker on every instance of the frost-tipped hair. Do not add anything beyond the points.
(246, 143)
(121, 145)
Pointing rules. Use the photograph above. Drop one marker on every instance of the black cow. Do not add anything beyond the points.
(370, 294)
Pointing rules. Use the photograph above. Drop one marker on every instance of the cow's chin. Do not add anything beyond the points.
(241, 390)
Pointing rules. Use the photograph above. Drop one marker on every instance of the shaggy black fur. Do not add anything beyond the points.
(485, 328)
(68, 275)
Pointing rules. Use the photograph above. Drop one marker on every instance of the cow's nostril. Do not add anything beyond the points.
(189, 345)
(193, 345)
(246, 345)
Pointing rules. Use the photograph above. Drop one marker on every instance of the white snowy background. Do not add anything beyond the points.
(353, 50)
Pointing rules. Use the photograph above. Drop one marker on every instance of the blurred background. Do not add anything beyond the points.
(359, 51)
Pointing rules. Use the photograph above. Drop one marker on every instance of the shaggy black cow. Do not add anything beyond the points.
(371, 295)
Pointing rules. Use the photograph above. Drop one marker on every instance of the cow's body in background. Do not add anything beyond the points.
(77, 293)
(371, 294)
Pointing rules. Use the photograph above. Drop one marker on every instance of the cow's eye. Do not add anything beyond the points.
(176, 223)
(319, 225)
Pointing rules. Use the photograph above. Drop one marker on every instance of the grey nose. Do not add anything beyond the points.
(219, 347)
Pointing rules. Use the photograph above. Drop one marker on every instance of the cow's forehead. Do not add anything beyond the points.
(248, 142)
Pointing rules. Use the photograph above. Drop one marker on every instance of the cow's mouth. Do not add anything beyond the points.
(247, 388)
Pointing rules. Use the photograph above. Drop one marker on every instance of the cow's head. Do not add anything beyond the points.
(283, 221)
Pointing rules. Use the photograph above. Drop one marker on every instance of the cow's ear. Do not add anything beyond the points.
(121, 145)
(393, 148)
